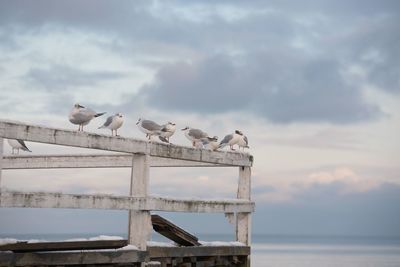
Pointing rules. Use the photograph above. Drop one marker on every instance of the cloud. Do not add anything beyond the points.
(286, 69)
(274, 85)
(62, 77)
(338, 181)
(323, 210)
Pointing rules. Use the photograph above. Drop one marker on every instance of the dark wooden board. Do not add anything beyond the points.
(72, 258)
(173, 232)
(202, 251)
(65, 245)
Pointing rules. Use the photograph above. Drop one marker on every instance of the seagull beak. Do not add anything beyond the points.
(79, 106)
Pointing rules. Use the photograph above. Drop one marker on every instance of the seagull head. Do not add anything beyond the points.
(238, 132)
(119, 115)
(170, 123)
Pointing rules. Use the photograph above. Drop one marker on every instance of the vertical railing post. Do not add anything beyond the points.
(1, 158)
(243, 219)
(139, 221)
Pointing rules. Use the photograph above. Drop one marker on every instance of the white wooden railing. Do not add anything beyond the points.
(139, 155)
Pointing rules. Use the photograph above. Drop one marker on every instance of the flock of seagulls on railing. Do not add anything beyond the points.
(81, 116)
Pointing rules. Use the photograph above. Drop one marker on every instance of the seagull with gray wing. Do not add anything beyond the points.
(196, 136)
(243, 142)
(210, 143)
(82, 116)
(151, 128)
(167, 131)
(113, 123)
(231, 139)
(17, 144)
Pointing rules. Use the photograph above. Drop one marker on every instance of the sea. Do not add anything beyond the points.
(290, 250)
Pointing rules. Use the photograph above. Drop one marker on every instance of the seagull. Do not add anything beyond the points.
(18, 144)
(243, 142)
(167, 131)
(151, 128)
(231, 139)
(210, 142)
(113, 123)
(195, 135)
(82, 116)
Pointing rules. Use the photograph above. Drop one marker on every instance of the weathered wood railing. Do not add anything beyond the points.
(139, 155)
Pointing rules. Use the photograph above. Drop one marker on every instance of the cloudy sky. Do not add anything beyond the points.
(315, 85)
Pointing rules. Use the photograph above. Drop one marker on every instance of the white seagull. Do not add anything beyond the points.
(17, 144)
(151, 128)
(243, 142)
(196, 136)
(211, 143)
(113, 123)
(82, 116)
(231, 139)
(167, 131)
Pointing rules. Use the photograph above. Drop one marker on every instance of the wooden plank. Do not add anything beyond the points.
(1, 158)
(139, 226)
(243, 219)
(198, 251)
(72, 258)
(41, 134)
(243, 223)
(63, 245)
(15, 162)
(173, 232)
(18, 199)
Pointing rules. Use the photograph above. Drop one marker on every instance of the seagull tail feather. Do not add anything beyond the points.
(162, 138)
(99, 114)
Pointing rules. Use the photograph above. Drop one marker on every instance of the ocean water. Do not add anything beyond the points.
(306, 251)
(292, 251)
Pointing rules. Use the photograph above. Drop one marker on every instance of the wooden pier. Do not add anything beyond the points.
(140, 156)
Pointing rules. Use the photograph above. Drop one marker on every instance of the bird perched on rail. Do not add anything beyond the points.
(167, 131)
(151, 128)
(17, 144)
(243, 142)
(231, 139)
(196, 136)
(82, 116)
(113, 123)
(211, 143)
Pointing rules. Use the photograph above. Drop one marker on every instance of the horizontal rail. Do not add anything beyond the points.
(41, 134)
(91, 161)
(16, 199)
(72, 258)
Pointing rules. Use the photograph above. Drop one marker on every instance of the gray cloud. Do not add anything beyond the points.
(323, 210)
(58, 77)
(281, 60)
(276, 85)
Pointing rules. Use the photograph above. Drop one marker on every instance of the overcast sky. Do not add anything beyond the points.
(315, 85)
